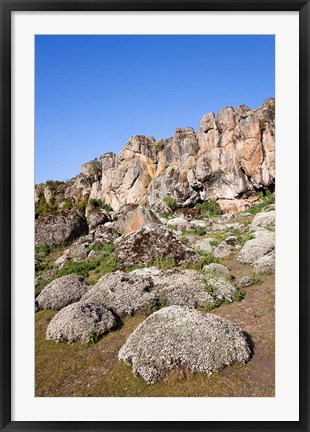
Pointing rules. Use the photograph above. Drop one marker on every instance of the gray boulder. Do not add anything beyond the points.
(222, 250)
(204, 245)
(180, 337)
(61, 292)
(79, 322)
(150, 243)
(263, 221)
(177, 287)
(265, 264)
(262, 244)
(124, 293)
(58, 228)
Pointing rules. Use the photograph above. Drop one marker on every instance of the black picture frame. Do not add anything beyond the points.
(9, 6)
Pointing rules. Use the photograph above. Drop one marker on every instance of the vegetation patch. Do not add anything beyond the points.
(209, 208)
(171, 203)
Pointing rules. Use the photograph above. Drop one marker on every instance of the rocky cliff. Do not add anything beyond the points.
(230, 158)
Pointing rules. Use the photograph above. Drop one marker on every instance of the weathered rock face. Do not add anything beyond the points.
(229, 158)
(58, 228)
(132, 217)
(153, 242)
(61, 292)
(79, 322)
(179, 337)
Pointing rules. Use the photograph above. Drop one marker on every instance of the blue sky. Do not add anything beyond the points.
(93, 92)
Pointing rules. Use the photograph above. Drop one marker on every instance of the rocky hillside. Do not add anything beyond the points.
(162, 257)
(230, 158)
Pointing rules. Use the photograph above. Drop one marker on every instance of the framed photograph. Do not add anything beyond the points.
(153, 270)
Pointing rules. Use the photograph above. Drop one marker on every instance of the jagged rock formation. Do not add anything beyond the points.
(229, 158)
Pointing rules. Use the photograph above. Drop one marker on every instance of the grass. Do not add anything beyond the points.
(239, 294)
(266, 198)
(209, 208)
(196, 231)
(206, 258)
(104, 263)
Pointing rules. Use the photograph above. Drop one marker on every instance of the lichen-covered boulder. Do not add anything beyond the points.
(265, 264)
(180, 337)
(150, 243)
(61, 292)
(264, 220)
(261, 245)
(177, 287)
(80, 322)
(124, 293)
(59, 227)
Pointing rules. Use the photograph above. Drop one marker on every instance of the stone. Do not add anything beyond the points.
(204, 245)
(80, 322)
(216, 270)
(132, 217)
(177, 287)
(265, 264)
(59, 227)
(153, 242)
(262, 244)
(222, 250)
(245, 281)
(97, 218)
(61, 292)
(180, 337)
(229, 158)
(263, 221)
(124, 293)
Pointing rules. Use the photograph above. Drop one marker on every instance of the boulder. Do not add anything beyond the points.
(177, 287)
(222, 250)
(61, 292)
(263, 221)
(215, 270)
(245, 281)
(132, 217)
(80, 321)
(150, 243)
(265, 264)
(180, 337)
(124, 293)
(262, 244)
(97, 218)
(204, 245)
(58, 228)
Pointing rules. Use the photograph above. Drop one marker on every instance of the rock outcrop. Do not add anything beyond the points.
(59, 228)
(230, 157)
(153, 242)
(179, 337)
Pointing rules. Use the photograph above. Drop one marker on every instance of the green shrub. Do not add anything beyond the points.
(214, 243)
(209, 208)
(206, 258)
(68, 203)
(209, 288)
(210, 306)
(266, 198)
(239, 294)
(104, 263)
(98, 204)
(164, 263)
(93, 338)
(156, 305)
(171, 203)
(43, 250)
(166, 215)
(256, 279)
